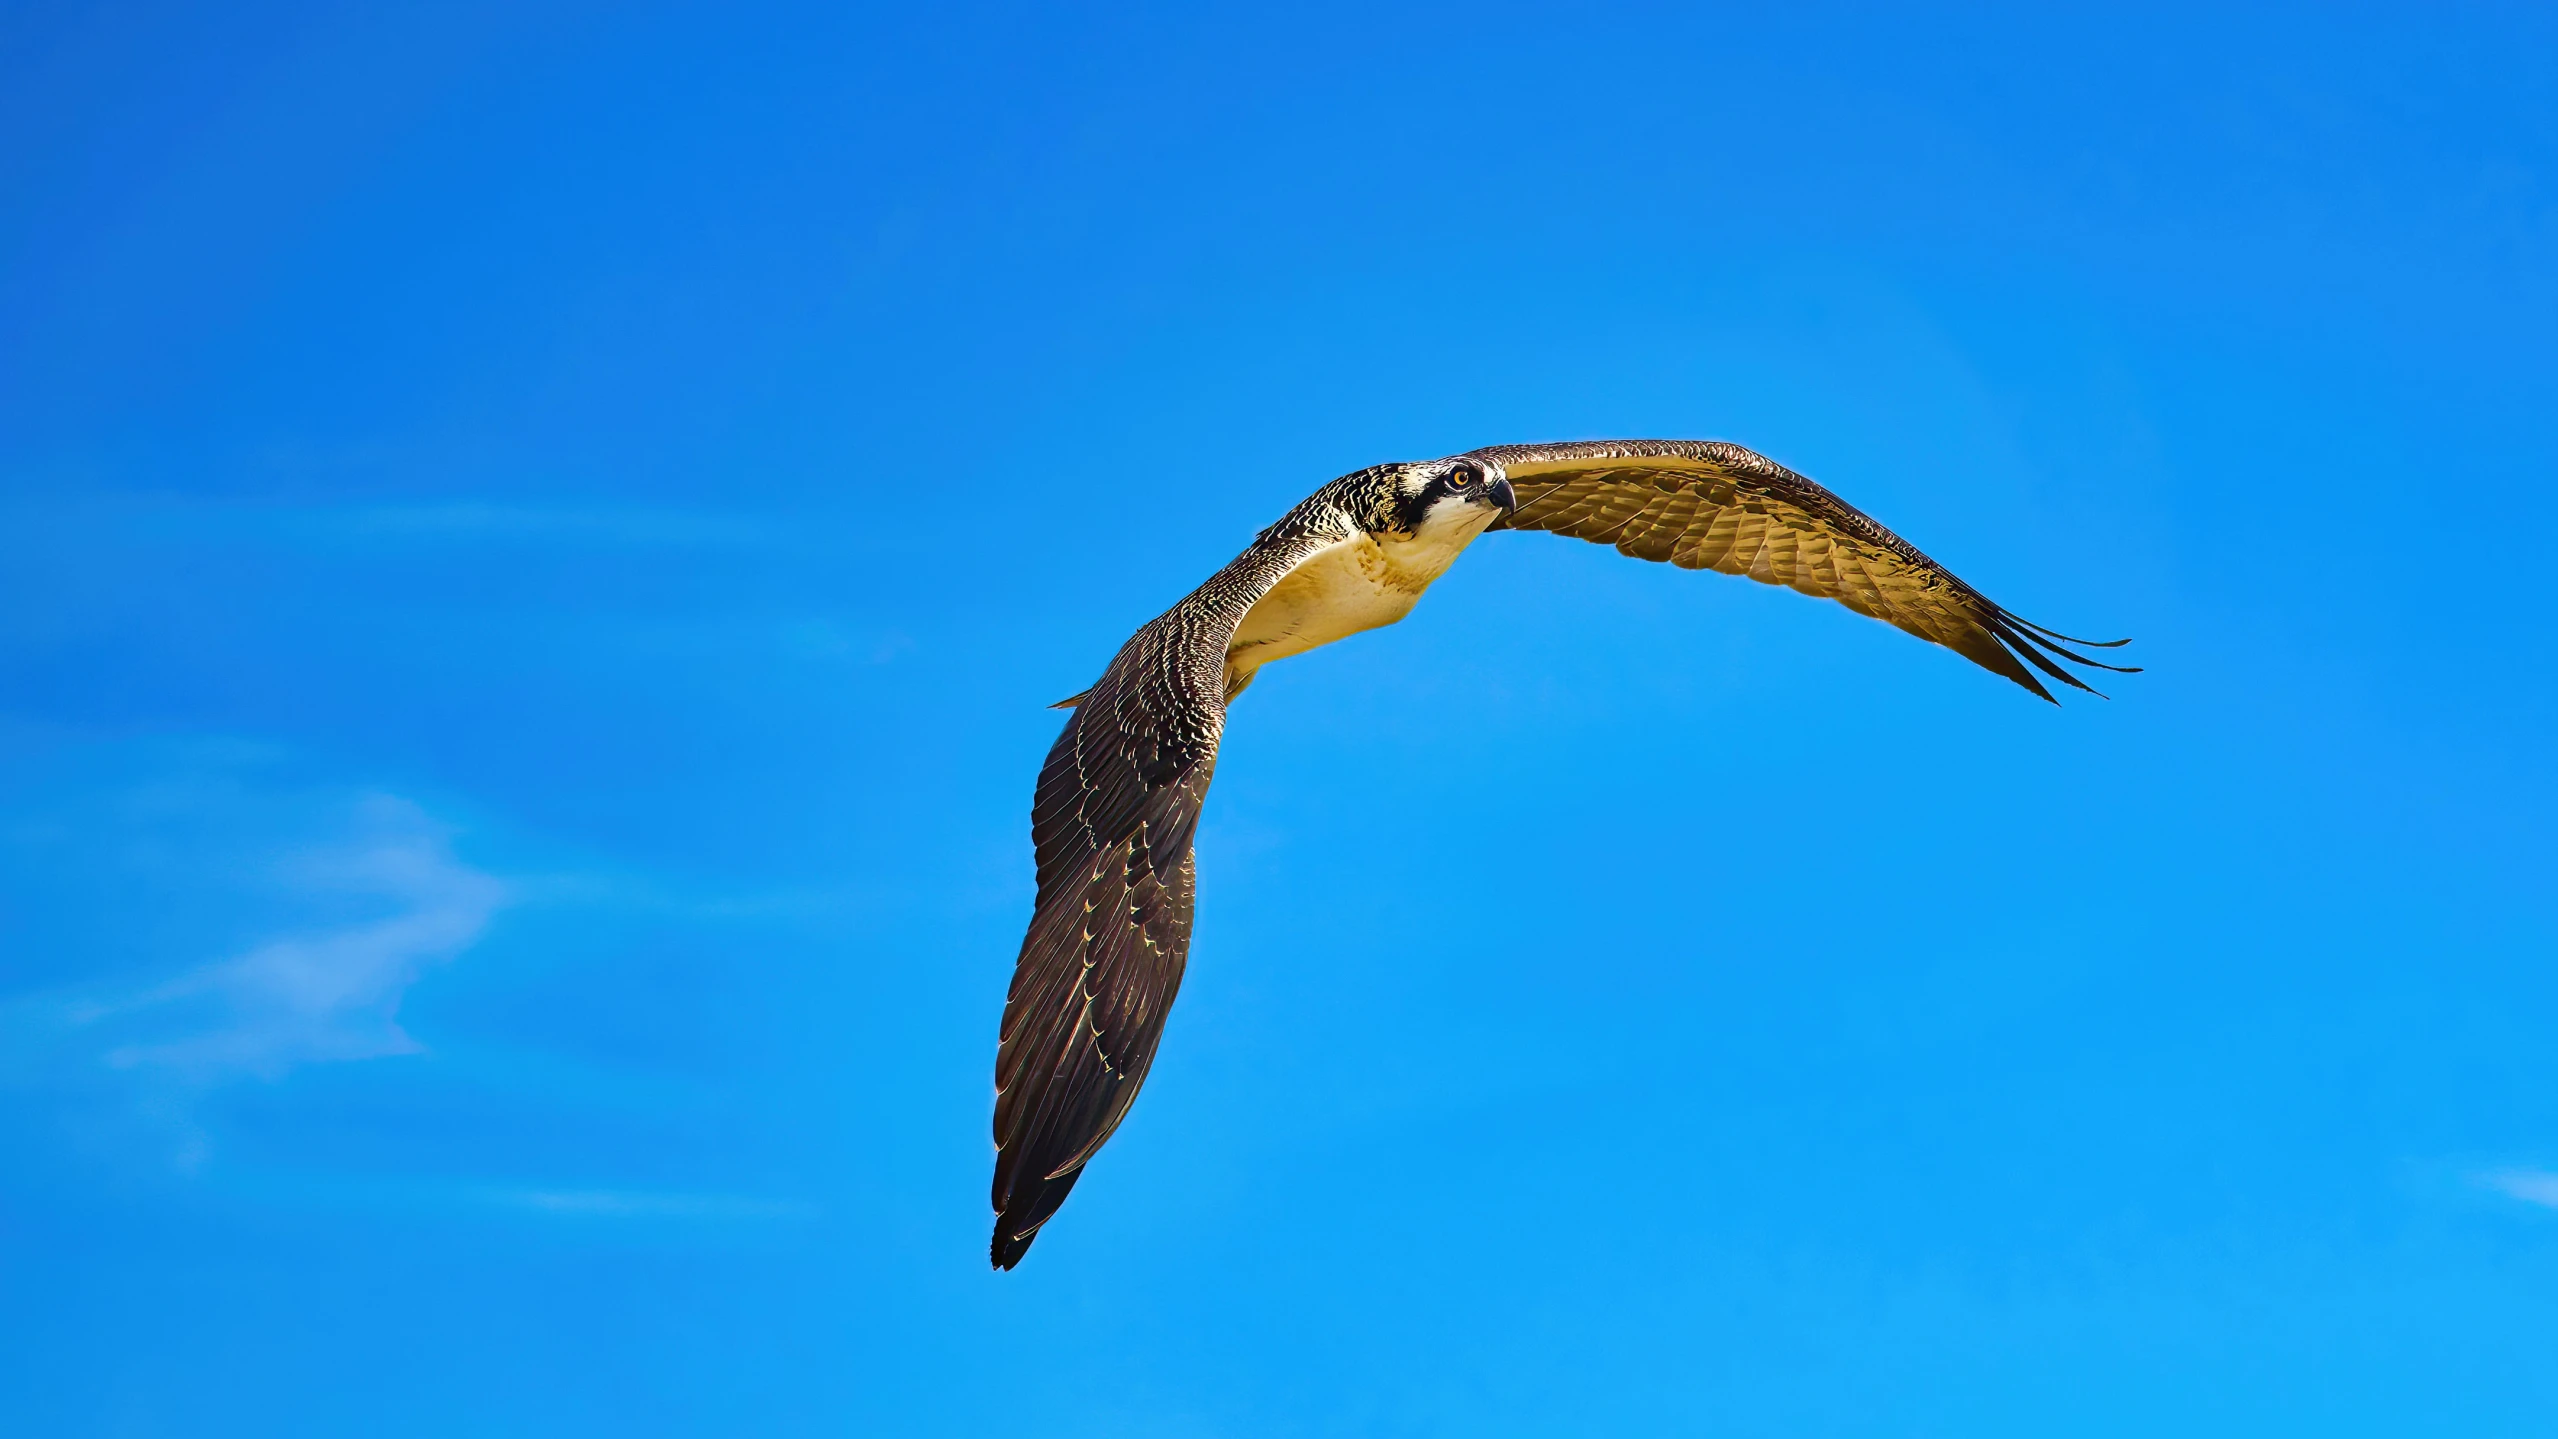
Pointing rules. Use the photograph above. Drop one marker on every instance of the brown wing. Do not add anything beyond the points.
(1118, 803)
(1703, 504)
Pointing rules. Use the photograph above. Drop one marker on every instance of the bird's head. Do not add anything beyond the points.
(1446, 498)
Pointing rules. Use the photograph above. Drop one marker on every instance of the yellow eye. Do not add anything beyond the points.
(1458, 479)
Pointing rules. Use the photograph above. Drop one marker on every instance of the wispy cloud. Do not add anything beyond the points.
(650, 1204)
(2531, 1186)
(320, 993)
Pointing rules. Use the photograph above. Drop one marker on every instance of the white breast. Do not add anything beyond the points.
(1358, 584)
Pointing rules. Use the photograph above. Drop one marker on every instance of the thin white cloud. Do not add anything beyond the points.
(2531, 1186)
(320, 994)
(650, 1204)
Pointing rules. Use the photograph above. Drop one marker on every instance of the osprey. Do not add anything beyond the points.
(1119, 796)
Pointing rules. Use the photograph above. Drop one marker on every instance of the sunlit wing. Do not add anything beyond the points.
(1706, 505)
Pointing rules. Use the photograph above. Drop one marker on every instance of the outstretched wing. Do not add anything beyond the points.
(1703, 504)
(1118, 802)
(1117, 806)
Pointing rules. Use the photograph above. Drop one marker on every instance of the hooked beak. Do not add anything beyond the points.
(1500, 494)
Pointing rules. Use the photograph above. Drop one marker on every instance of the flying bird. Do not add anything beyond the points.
(1119, 797)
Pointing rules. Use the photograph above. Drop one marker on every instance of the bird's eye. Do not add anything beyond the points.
(1458, 479)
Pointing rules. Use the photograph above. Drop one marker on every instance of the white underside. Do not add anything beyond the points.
(1358, 584)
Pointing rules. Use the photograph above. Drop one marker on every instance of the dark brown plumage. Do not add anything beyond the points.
(1117, 804)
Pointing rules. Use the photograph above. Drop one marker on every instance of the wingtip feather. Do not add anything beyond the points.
(1005, 1252)
(2038, 647)
(2071, 639)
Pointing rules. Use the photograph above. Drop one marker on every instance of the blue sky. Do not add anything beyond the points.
(535, 542)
